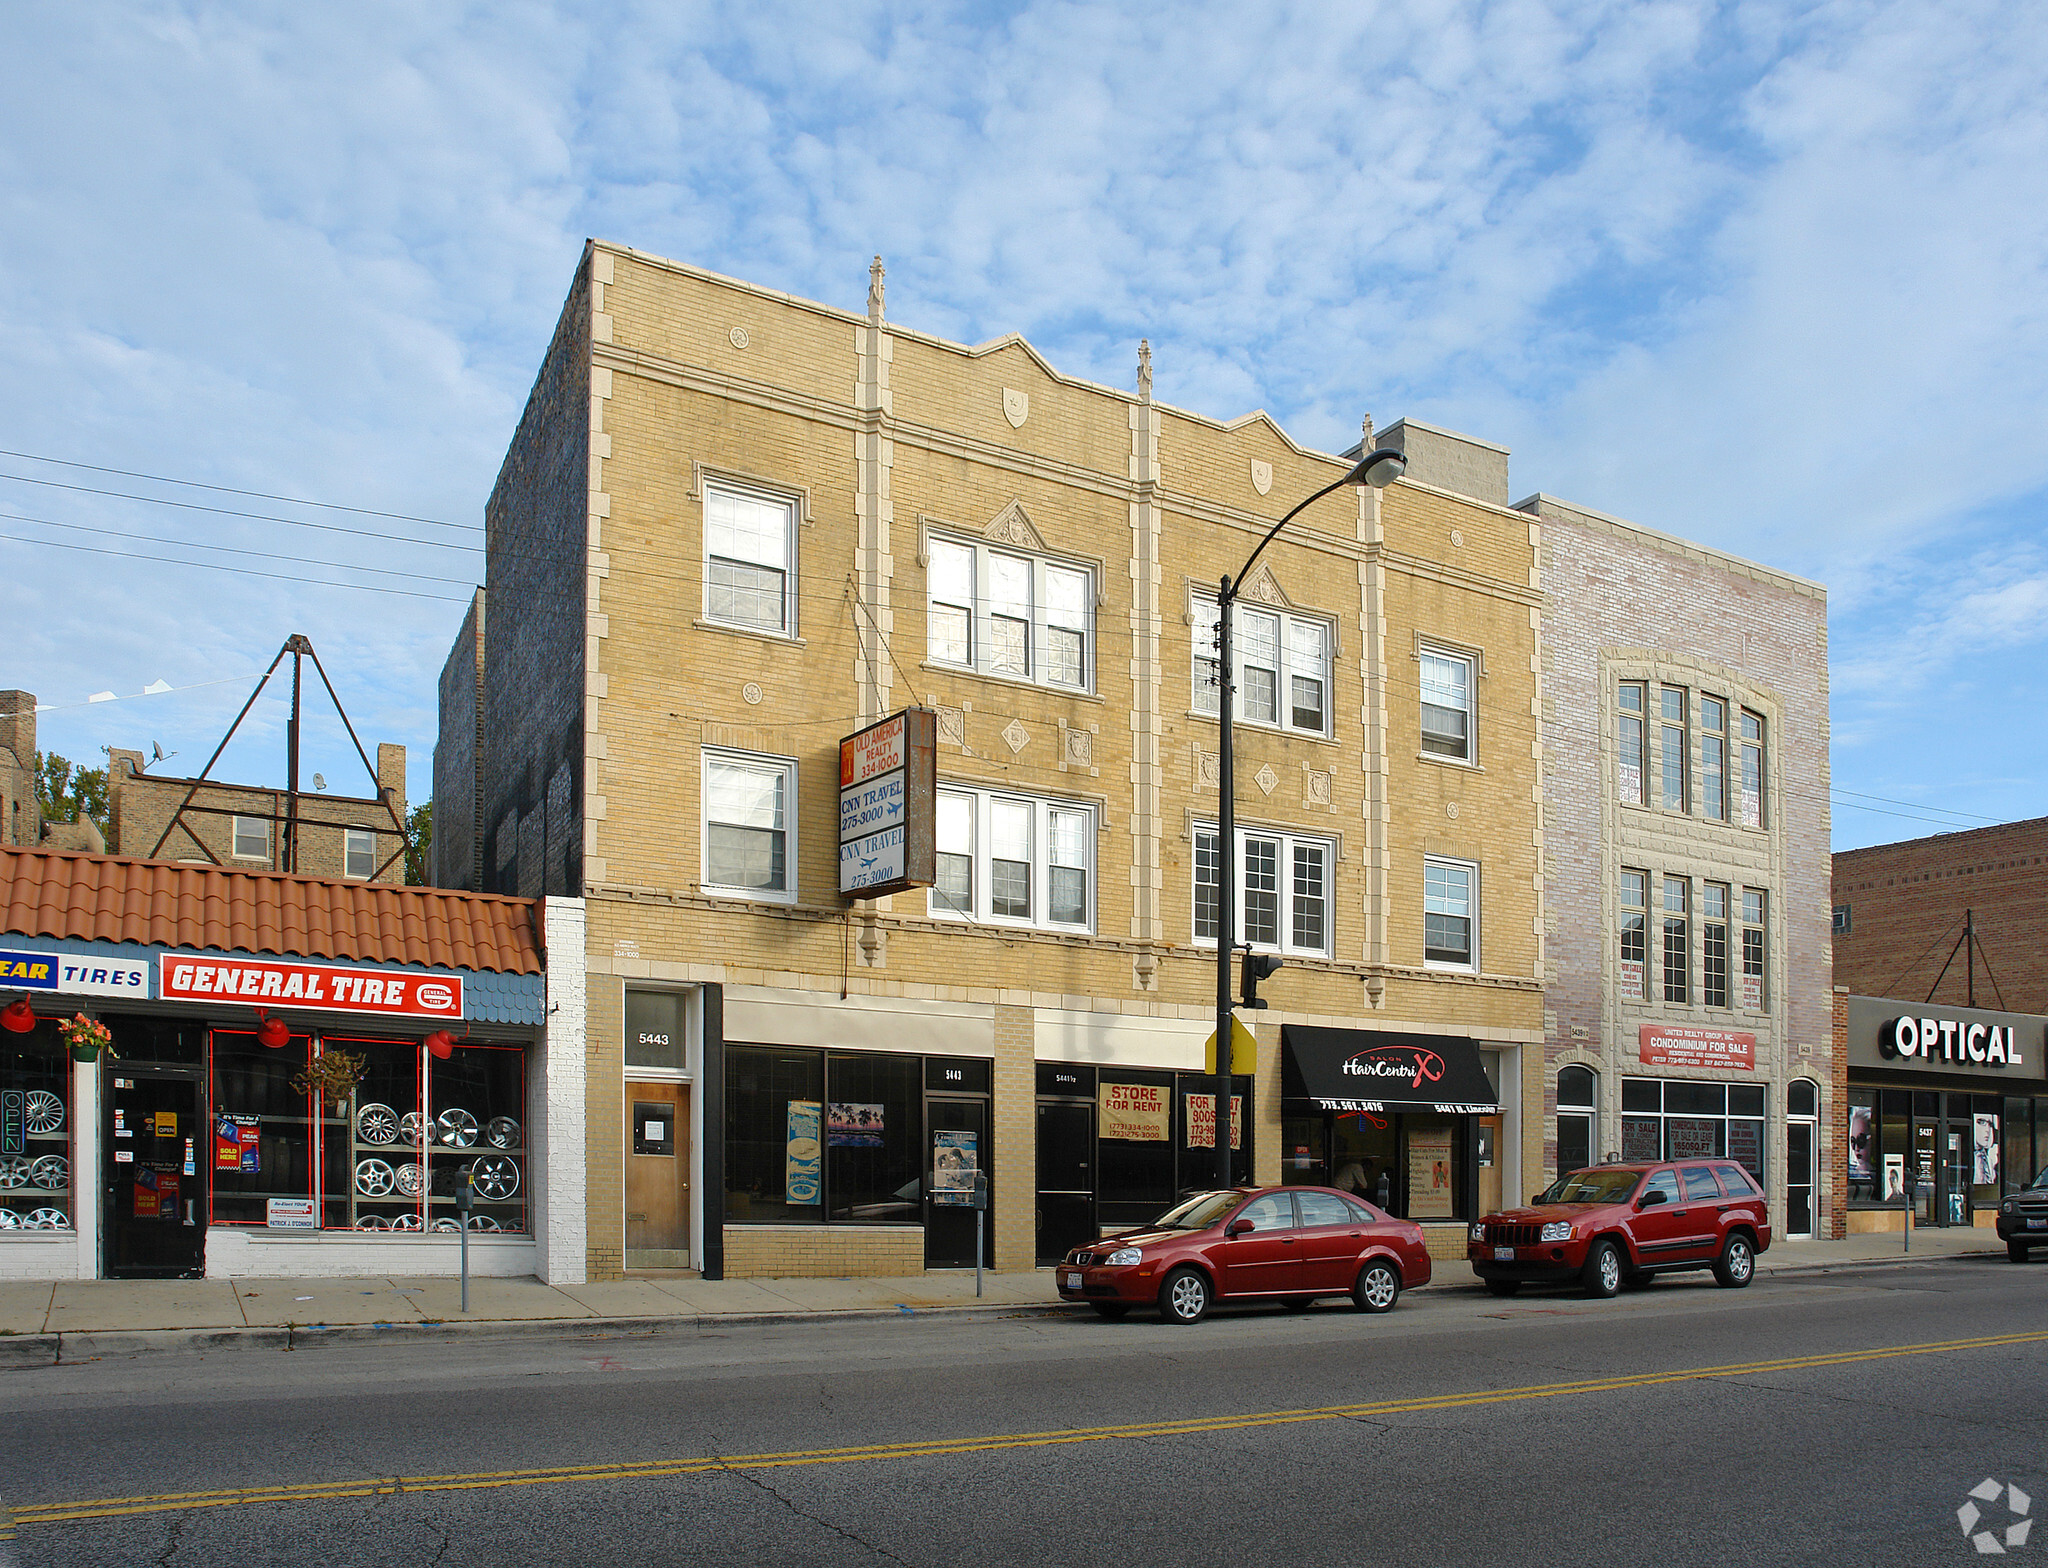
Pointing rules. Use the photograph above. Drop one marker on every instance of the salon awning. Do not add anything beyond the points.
(1375, 1070)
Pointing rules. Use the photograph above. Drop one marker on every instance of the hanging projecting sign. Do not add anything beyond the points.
(888, 787)
(379, 993)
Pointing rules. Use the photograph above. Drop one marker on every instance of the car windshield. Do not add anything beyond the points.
(1197, 1212)
(1593, 1186)
(2041, 1180)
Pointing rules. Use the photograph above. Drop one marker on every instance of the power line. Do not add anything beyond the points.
(245, 571)
(227, 549)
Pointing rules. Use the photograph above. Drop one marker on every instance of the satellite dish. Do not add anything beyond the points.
(319, 781)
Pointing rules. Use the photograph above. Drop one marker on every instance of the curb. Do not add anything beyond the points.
(28, 1350)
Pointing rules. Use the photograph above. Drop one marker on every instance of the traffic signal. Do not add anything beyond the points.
(1256, 967)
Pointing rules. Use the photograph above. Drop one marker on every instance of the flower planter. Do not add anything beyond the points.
(85, 1053)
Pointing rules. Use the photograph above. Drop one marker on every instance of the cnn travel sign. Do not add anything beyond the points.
(327, 988)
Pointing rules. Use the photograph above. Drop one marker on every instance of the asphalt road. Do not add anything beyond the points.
(1835, 1418)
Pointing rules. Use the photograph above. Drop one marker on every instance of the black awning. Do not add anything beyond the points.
(1374, 1070)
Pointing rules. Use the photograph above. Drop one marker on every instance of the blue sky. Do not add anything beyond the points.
(1767, 276)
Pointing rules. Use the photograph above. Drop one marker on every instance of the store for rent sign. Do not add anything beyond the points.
(322, 987)
(1673, 1045)
(1133, 1112)
(888, 795)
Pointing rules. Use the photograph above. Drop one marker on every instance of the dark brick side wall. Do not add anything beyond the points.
(458, 834)
(1906, 904)
(534, 657)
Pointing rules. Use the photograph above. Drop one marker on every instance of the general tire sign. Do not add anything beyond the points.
(258, 982)
(888, 788)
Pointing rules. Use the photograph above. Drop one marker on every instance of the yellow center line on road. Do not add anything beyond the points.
(87, 1510)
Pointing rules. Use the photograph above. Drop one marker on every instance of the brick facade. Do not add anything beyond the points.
(1905, 905)
(458, 850)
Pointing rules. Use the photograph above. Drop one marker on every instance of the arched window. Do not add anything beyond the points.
(1577, 1103)
(1802, 1098)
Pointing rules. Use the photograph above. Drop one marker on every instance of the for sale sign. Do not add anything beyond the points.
(379, 993)
(888, 787)
(1676, 1045)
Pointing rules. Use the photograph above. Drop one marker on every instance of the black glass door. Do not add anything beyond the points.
(156, 1200)
(1799, 1178)
(956, 1151)
(1066, 1177)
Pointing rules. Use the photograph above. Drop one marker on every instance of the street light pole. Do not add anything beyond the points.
(1379, 469)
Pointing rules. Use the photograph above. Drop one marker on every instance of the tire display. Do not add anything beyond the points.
(377, 1124)
(410, 1179)
(456, 1128)
(412, 1129)
(495, 1177)
(51, 1171)
(373, 1222)
(482, 1222)
(445, 1223)
(375, 1178)
(405, 1222)
(48, 1219)
(43, 1114)
(9, 1220)
(502, 1132)
(14, 1171)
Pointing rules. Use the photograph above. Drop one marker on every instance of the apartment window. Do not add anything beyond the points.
(1714, 944)
(1634, 899)
(1714, 758)
(748, 802)
(252, 838)
(1753, 908)
(1004, 613)
(1840, 923)
(359, 853)
(1015, 859)
(1671, 734)
(1283, 890)
(1283, 667)
(1676, 967)
(1632, 743)
(1447, 708)
(1752, 769)
(749, 548)
(1450, 903)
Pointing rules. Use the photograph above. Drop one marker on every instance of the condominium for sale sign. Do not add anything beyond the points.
(888, 797)
(1677, 1045)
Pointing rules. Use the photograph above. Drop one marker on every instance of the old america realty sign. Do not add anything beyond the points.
(888, 789)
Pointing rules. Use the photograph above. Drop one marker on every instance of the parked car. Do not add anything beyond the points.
(1613, 1225)
(1285, 1244)
(2023, 1218)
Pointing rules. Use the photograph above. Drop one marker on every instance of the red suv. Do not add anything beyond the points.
(1287, 1244)
(1615, 1225)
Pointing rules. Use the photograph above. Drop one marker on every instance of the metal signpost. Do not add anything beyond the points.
(465, 1196)
(980, 1216)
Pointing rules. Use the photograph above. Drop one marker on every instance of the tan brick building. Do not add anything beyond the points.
(735, 527)
(243, 826)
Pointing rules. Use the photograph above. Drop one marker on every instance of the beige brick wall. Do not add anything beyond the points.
(823, 1251)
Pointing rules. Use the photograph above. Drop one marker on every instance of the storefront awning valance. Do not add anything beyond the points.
(1373, 1070)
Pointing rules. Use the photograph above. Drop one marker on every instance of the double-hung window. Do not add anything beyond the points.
(1283, 889)
(1714, 944)
(1752, 769)
(1447, 705)
(1014, 859)
(749, 553)
(1677, 960)
(1005, 613)
(1753, 901)
(1450, 914)
(1632, 743)
(252, 838)
(749, 802)
(359, 852)
(1714, 758)
(1634, 900)
(1283, 667)
(1672, 736)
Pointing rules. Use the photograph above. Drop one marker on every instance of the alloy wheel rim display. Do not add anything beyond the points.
(457, 1128)
(14, 1171)
(48, 1219)
(51, 1171)
(374, 1179)
(43, 1113)
(502, 1132)
(410, 1178)
(495, 1176)
(376, 1123)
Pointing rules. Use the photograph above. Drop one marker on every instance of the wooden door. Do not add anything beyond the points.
(1487, 1157)
(657, 1176)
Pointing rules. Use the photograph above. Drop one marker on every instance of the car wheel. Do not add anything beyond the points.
(2016, 1251)
(1637, 1279)
(1503, 1287)
(1377, 1289)
(1601, 1276)
(1113, 1310)
(1736, 1265)
(1184, 1297)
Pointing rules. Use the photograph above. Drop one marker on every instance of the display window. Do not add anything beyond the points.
(1413, 1164)
(1951, 1153)
(36, 1131)
(263, 1128)
(1684, 1119)
(1156, 1140)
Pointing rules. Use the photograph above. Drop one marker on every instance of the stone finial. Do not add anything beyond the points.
(1145, 369)
(1365, 434)
(876, 273)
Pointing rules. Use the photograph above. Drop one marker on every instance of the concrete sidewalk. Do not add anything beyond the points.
(110, 1316)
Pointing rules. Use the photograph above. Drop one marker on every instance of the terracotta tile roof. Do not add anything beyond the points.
(114, 898)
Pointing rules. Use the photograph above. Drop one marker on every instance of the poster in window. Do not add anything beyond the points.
(851, 1126)
(1631, 782)
(955, 1159)
(1895, 1176)
(1693, 1137)
(1632, 979)
(1746, 1147)
(1132, 1112)
(1984, 1166)
(1641, 1138)
(1862, 1134)
(802, 1158)
(147, 1204)
(237, 1144)
(1753, 992)
(1429, 1174)
(1201, 1109)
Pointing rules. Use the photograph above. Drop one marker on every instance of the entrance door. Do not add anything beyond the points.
(1066, 1177)
(658, 1176)
(1486, 1133)
(956, 1147)
(156, 1194)
(1956, 1149)
(1799, 1151)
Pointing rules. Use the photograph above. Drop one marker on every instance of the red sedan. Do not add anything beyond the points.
(1285, 1244)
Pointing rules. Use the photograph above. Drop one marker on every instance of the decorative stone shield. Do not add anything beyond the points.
(1262, 476)
(1016, 407)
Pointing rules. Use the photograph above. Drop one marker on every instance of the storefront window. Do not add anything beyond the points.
(262, 1126)
(1134, 1131)
(1895, 1127)
(1683, 1119)
(374, 1163)
(476, 1110)
(775, 1124)
(36, 1153)
(873, 1122)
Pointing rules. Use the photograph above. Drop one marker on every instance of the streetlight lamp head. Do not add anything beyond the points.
(1380, 468)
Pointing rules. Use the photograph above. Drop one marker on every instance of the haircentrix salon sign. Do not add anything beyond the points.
(1923, 1037)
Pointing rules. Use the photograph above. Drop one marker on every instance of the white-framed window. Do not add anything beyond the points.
(1752, 764)
(359, 853)
(1450, 914)
(1014, 860)
(749, 558)
(1755, 902)
(1713, 757)
(1672, 734)
(1283, 667)
(749, 802)
(1283, 890)
(1633, 898)
(1006, 612)
(1632, 748)
(1448, 709)
(252, 838)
